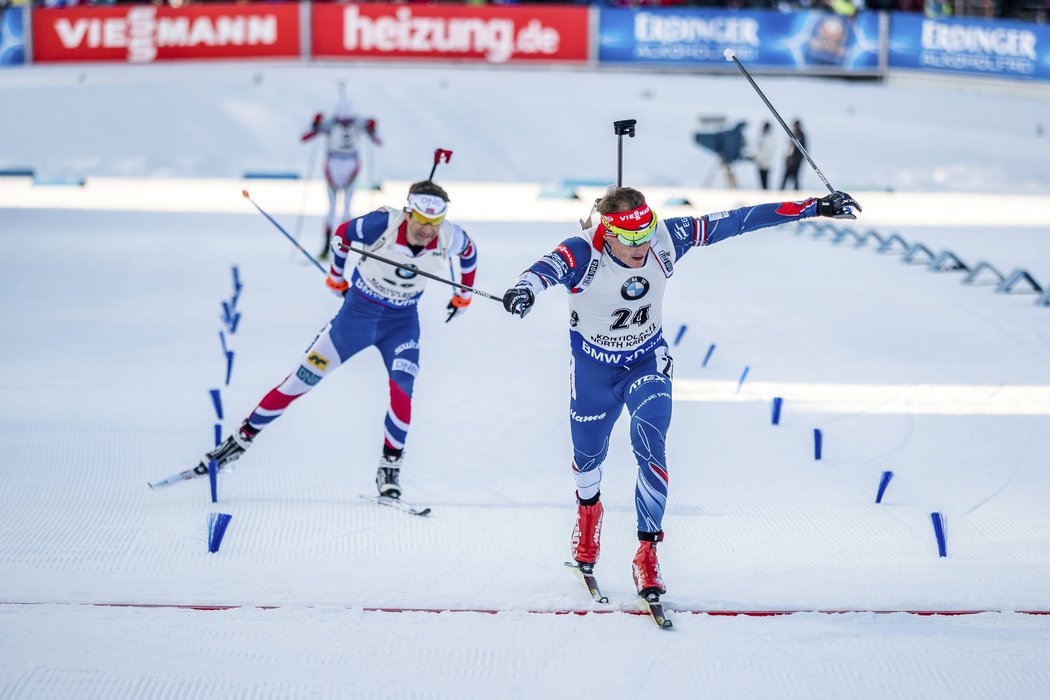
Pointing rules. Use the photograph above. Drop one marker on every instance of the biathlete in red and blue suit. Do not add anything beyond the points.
(379, 310)
(616, 273)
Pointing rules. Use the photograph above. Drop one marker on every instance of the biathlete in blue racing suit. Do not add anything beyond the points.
(616, 273)
(379, 310)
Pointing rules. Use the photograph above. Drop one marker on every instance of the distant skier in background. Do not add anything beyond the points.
(342, 159)
(616, 273)
(765, 153)
(793, 162)
(379, 310)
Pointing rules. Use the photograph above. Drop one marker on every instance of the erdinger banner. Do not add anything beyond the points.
(435, 32)
(974, 47)
(789, 40)
(146, 33)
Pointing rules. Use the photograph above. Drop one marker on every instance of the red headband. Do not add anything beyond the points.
(633, 220)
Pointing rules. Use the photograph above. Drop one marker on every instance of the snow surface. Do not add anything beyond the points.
(110, 345)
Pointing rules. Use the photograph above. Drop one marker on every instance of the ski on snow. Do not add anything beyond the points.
(586, 572)
(656, 611)
(199, 470)
(652, 603)
(202, 470)
(397, 504)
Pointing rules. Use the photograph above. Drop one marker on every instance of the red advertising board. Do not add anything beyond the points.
(147, 33)
(490, 34)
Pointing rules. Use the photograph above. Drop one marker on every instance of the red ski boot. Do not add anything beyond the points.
(646, 566)
(586, 536)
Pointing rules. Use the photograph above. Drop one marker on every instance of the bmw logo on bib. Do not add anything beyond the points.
(404, 274)
(634, 288)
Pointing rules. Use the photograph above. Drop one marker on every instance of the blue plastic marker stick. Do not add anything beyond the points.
(222, 341)
(218, 434)
(216, 401)
(681, 332)
(227, 313)
(777, 403)
(883, 483)
(818, 443)
(938, 530)
(236, 320)
(236, 281)
(742, 378)
(229, 366)
(213, 478)
(217, 523)
(710, 351)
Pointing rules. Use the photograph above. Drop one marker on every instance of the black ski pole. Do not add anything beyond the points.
(286, 234)
(368, 254)
(439, 154)
(730, 56)
(624, 127)
(436, 278)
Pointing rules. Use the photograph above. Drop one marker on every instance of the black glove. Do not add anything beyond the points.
(838, 205)
(518, 300)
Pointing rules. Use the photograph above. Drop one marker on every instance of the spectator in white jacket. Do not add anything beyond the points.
(765, 154)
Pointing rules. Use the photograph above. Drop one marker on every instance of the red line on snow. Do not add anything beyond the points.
(495, 611)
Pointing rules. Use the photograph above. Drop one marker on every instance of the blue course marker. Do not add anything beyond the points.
(678, 336)
(743, 376)
(222, 342)
(237, 286)
(218, 434)
(229, 366)
(217, 523)
(883, 483)
(777, 403)
(216, 401)
(818, 443)
(213, 479)
(938, 531)
(710, 351)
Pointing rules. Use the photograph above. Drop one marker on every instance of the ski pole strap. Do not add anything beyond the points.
(423, 273)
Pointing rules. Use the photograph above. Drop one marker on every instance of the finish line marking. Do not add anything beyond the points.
(494, 611)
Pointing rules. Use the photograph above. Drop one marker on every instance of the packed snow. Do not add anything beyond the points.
(111, 314)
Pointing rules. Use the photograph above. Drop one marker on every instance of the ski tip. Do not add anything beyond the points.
(244, 193)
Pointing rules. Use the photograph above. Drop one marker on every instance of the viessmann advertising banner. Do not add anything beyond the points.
(762, 39)
(490, 34)
(1001, 49)
(147, 33)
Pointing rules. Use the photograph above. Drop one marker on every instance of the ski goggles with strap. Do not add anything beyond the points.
(427, 209)
(632, 228)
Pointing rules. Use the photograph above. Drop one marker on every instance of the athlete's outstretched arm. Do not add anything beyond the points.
(690, 232)
(565, 265)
